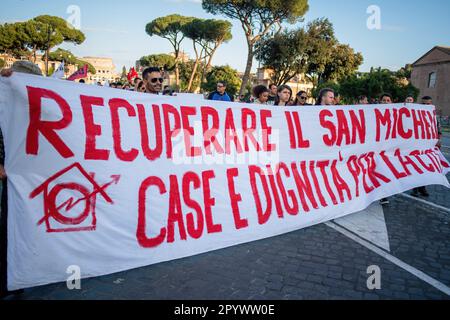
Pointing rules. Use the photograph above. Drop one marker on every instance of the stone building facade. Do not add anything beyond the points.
(431, 75)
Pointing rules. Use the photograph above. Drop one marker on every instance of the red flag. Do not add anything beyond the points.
(80, 73)
(132, 74)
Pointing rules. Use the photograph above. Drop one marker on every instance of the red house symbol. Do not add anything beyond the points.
(60, 217)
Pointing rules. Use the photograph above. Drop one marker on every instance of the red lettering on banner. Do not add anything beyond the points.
(141, 234)
(209, 133)
(340, 183)
(316, 184)
(321, 165)
(331, 138)
(150, 154)
(429, 167)
(191, 151)
(231, 134)
(263, 216)
(209, 202)
(382, 120)
(92, 129)
(401, 131)
(405, 161)
(193, 231)
(170, 132)
(397, 174)
(235, 198)
(355, 170)
(249, 130)
(267, 131)
(273, 186)
(47, 128)
(292, 210)
(418, 123)
(175, 215)
(303, 186)
(300, 142)
(115, 105)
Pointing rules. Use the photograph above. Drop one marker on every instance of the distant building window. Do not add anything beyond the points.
(432, 80)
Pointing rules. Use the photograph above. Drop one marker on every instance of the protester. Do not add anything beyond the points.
(301, 98)
(409, 99)
(284, 95)
(136, 82)
(261, 94)
(326, 97)
(427, 100)
(363, 100)
(153, 80)
(273, 93)
(140, 87)
(385, 98)
(220, 94)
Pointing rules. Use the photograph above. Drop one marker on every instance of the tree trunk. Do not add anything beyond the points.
(248, 68)
(177, 69)
(191, 80)
(46, 61)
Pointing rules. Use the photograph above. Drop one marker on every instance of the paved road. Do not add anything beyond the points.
(319, 262)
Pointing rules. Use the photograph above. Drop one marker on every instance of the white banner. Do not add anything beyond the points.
(109, 180)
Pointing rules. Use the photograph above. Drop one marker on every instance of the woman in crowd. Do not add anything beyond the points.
(261, 94)
(284, 96)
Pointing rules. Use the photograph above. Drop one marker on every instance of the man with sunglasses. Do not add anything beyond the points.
(153, 80)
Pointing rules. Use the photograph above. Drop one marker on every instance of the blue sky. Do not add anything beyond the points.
(116, 28)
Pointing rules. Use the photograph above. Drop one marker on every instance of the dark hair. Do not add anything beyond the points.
(148, 70)
(322, 93)
(427, 98)
(222, 82)
(297, 102)
(258, 90)
(386, 95)
(271, 85)
(140, 84)
(362, 97)
(281, 88)
(82, 81)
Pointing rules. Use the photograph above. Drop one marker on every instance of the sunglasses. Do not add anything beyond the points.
(302, 98)
(154, 80)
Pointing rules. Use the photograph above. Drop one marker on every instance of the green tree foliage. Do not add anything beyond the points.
(186, 69)
(163, 61)
(314, 51)
(372, 84)
(69, 59)
(2, 63)
(170, 28)
(206, 35)
(57, 31)
(258, 18)
(223, 73)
